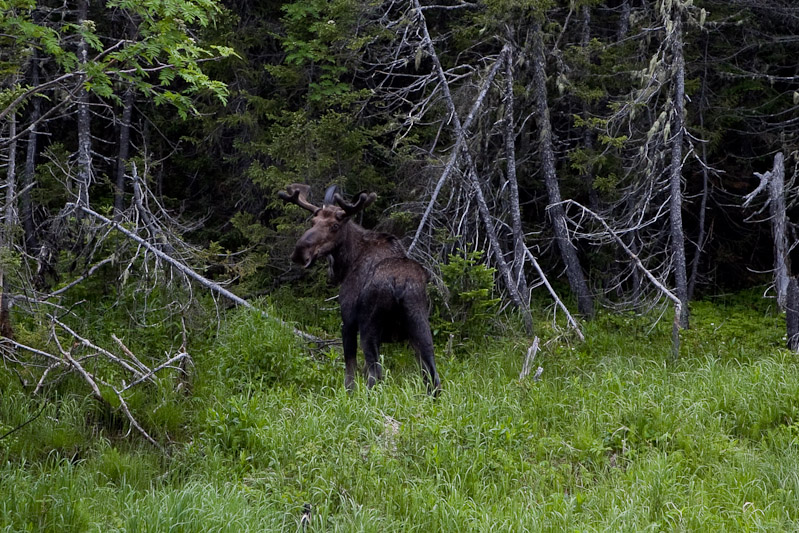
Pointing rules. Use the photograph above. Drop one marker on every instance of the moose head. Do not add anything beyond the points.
(325, 232)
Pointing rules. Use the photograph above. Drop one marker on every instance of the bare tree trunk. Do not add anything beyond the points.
(124, 150)
(28, 176)
(84, 119)
(574, 272)
(6, 232)
(774, 181)
(675, 175)
(779, 227)
(461, 137)
(471, 171)
(519, 247)
(700, 238)
(588, 135)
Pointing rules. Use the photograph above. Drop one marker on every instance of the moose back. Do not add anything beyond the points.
(383, 295)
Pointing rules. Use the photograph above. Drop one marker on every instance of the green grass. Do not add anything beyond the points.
(615, 437)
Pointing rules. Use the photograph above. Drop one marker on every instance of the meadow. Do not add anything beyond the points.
(615, 436)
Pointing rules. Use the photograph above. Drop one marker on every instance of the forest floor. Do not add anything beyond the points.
(615, 436)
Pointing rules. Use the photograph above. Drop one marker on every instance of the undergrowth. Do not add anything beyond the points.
(614, 437)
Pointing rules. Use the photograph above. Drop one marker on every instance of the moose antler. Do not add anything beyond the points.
(297, 193)
(364, 200)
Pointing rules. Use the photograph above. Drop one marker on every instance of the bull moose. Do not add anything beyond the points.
(383, 295)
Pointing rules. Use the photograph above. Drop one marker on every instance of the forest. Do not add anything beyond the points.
(602, 193)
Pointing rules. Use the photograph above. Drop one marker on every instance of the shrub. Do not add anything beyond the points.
(467, 307)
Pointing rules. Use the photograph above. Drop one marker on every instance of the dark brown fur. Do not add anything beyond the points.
(383, 294)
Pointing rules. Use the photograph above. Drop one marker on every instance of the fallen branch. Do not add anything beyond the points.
(528, 359)
(137, 373)
(152, 372)
(92, 381)
(205, 282)
(572, 322)
(6, 340)
(130, 354)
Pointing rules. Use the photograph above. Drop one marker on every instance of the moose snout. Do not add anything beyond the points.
(302, 256)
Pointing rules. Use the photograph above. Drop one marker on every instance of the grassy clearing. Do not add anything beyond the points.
(614, 438)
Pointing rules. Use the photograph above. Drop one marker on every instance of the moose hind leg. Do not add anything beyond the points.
(370, 343)
(422, 342)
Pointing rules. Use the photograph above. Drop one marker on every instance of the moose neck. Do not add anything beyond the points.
(345, 255)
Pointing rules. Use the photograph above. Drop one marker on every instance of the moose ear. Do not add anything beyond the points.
(330, 194)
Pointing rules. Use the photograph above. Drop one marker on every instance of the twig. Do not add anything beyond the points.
(130, 354)
(28, 421)
(152, 372)
(552, 292)
(5, 340)
(96, 348)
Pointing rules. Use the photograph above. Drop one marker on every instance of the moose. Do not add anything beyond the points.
(383, 295)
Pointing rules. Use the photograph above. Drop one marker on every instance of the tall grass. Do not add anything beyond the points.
(615, 437)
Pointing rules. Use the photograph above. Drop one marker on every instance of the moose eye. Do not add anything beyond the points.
(335, 227)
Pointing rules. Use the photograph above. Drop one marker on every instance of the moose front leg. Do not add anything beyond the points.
(349, 338)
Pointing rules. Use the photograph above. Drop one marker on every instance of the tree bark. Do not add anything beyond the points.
(124, 150)
(461, 133)
(84, 118)
(624, 21)
(792, 314)
(25, 203)
(588, 135)
(6, 232)
(779, 227)
(675, 173)
(568, 253)
(519, 246)
(471, 172)
(700, 238)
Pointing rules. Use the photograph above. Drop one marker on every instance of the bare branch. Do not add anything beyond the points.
(192, 274)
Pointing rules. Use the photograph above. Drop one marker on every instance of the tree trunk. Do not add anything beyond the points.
(124, 150)
(779, 228)
(588, 135)
(700, 238)
(574, 272)
(675, 174)
(25, 203)
(84, 118)
(6, 232)
(624, 21)
(519, 247)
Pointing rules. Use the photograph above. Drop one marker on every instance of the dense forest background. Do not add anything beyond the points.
(486, 128)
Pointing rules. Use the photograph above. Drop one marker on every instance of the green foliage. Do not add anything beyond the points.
(254, 348)
(468, 307)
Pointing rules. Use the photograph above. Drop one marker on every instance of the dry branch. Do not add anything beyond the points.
(572, 322)
(205, 282)
(675, 332)
(528, 359)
